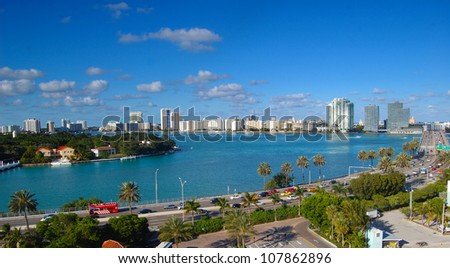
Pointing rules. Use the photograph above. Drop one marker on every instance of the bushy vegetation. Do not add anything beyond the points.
(368, 185)
(80, 204)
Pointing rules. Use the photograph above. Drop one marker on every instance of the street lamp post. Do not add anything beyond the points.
(410, 204)
(156, 186)
(182, 183)
(360, 167)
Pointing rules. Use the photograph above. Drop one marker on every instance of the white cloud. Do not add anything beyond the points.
(448, 92)
(66, 20)
(57, 85)
(18, 102)
(258, 82)
(7, 72)
(52, 103)
(117, 9)
(96, 86)
(233, 92)
(16, 87)
(155, 86)
(378, 91)
(194, 39)
(86, 101)
(125, 77)
(151, 104)
(129, 97)
(203, 77)
(144, 10)
(291, 100)
(94, 71)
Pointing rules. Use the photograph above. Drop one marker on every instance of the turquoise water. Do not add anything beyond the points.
(210, 168)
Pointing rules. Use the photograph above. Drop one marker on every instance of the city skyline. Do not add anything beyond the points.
(85, 60)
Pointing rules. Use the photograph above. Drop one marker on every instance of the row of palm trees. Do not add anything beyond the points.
(386, 163)
(264, 169)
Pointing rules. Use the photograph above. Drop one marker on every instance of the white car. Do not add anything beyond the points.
(235, 196)
(48, 217)
(292, 197)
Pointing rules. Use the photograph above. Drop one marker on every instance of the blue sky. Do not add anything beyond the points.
(84, 60)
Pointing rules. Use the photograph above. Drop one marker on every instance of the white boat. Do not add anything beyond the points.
(130, 157)
(61, 162)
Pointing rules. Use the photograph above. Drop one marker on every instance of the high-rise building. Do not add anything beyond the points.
(175, 119)
(340, 114)
(165, 118)
(398, 117)
(136, 117)
(83, 123)
(371, 118)
(65, 124)
(32, 125)
(126, 114)
(50, 126)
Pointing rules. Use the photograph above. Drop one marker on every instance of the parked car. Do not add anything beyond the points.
(171, 206)
(271, 192)
(235, 196)
(182, 205)
(214, 200)
(263, 194)
(201, 211)
(145, 211)
(292, 197)
(237, 205)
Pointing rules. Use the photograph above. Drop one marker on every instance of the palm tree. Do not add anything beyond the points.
(129, 192)
(175, 230)
(303, 162)
(319, 161)
(389, 151)
(275, 197)
(332, 213)
(13, 238)
(239, 226)
(372, 155)
(223, 204)
(363, 156)
(339, 189)
(299, 192)
(286, 169)
(191, 206)
(403, 160)
(22, 201)
(386, 164)
(342, 226)
(249, 200)
(264, 170)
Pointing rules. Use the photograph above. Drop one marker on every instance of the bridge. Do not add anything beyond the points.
(433, 140)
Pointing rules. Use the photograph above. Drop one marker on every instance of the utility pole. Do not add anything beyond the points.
(443, 218)
(156, 186)
(410, 204)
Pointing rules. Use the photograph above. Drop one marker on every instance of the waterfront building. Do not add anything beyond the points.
(10, 129)
(144, 126)
(340, 114)
(75, 127)
(32, 125)
(175, 119)
(398, 117)
(126, 114)
(371, 118)
(66, 151)
(165, 118)
(50, 126)
(412, 121)
(131, 127)
(108, 149)
(233, 124)
(253, 124)
(83, 124)
(216, 124)
(136, 117)
(65, 124)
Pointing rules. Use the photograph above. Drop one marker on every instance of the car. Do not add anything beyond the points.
(285, 193)
(182, 205)
(48, 217)
(259, 203)
(333, 181)
(171, 206)
(214, 200)
(263, 194)
(94, 216)
(237, 205)
(201, 211)
(145, 211)
(422, 244)
(235, 196)
(292, 197)
(271, 192)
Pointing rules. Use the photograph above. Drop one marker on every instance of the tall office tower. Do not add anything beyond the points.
(371, 118)
(83, 123)
(50, 126)
(136, 117)
(65, 123)
(32, 125)
(165, 118)
(126, 114)
(175, 119)
(340, 114)
(398, 117)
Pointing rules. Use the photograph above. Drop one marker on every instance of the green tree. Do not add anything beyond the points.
(372, 155)
(332, 213)
(319, 162)
(403, 160)
(239, 226)
(249, 200)
(342, 226)
(286, 169)
(363, 156)
(13, 238)
(129, 192)
(275, 198)
(300, 193)
(303, 162)
(192, 207)
(175, 230)
(223, 204)
(386, 164)
(22, 201)
(129, 230)
(339, 189)
(264, 170)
